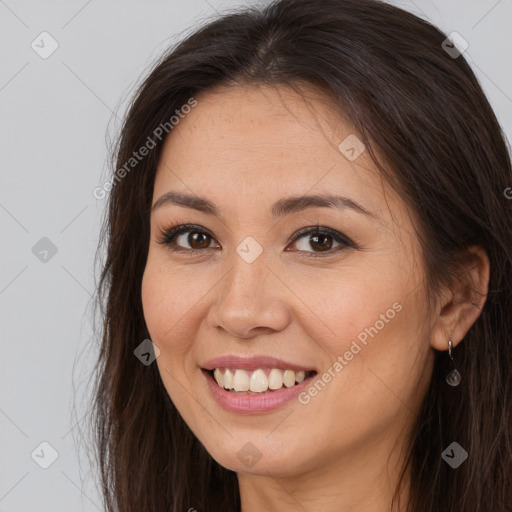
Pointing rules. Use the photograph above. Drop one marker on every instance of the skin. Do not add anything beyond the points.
(244, 148)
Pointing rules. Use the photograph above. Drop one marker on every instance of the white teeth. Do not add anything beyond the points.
(275, 379)
(300, 376)
(241, 381)
(257, 381)
(227, 379)
(289, 378)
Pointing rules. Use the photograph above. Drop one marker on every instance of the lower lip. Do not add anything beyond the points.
(253, 404)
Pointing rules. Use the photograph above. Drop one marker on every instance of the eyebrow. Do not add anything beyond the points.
(280, 208)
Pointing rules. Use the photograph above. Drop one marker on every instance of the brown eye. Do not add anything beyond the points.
(198, 240)
(186, 238)
(321, 240)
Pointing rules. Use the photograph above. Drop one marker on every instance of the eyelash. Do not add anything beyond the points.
(167, 236)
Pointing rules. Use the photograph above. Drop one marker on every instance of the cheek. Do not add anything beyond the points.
(353, 304)
(373, 326)
(165, 304)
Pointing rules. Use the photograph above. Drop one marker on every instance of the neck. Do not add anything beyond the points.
(364, 480)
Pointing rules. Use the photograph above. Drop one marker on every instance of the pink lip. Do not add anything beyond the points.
(252, 363)
(253, 404)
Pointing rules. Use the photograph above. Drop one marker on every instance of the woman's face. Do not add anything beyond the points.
(345, 300)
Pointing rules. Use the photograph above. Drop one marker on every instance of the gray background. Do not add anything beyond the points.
(54, 114)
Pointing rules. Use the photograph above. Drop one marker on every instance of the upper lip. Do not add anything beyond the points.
(252, 363)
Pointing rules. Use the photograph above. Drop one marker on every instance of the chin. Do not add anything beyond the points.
(259, 457)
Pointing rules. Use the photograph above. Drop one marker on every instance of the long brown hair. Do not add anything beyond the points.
(423, 111)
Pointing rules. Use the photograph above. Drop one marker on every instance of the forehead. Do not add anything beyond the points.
(262, 142)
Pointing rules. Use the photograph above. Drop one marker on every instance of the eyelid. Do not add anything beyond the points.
(338, 236)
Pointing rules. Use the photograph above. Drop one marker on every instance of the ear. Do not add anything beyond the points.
(462, 301)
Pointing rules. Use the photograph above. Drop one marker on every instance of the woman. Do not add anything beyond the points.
(308, 280)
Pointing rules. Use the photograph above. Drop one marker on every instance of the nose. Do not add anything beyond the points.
(250, 300)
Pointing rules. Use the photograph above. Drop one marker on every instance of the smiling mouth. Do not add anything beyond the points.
(258, 381)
